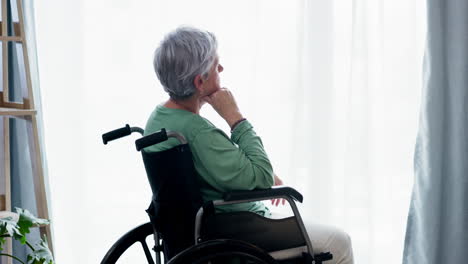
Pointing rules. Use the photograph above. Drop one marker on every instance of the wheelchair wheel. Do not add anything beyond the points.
(138, 234)
(223, 251)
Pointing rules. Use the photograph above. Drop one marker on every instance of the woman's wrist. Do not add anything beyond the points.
(235, 124)
(233, 117)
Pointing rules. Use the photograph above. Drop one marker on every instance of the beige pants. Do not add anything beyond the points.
(328, 239)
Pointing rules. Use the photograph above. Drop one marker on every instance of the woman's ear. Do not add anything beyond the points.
(198, 82)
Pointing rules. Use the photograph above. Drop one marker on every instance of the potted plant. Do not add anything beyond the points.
(17, 226)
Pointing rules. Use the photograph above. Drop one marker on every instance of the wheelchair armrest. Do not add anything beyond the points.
(263, 194)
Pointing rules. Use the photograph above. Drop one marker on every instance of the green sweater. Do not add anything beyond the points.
(223, 163)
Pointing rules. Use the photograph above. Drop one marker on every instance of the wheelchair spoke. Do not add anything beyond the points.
(147, 252)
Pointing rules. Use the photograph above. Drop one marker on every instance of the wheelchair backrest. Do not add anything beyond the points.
(176, 196)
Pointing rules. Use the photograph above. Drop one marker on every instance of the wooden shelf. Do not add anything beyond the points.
(15, 39)
(16, 30)
(16, 112)
(13, 33)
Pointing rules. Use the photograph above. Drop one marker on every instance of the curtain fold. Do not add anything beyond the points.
(438, 216)
(360, 108)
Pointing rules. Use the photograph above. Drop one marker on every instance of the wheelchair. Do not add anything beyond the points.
(185, 229)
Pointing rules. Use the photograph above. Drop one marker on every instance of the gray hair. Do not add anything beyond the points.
(182, 55)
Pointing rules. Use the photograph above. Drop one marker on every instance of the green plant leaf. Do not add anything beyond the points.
(2, 241)
(8, 226)
(42, 254)
(27, 220)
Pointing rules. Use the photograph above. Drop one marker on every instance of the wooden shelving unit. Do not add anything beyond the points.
(16, 112)
(24, 110)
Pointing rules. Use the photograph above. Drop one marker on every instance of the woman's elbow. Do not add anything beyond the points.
(265, 178)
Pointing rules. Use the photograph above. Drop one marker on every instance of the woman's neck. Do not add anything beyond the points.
(191, 105)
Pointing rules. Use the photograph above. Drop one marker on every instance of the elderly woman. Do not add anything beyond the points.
(187, 65)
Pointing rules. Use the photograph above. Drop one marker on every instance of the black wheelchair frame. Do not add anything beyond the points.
(215, 245)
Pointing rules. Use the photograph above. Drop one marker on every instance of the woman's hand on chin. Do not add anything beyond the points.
(224, 103)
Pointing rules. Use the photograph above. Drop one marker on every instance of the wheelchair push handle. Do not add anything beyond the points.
(115, 134)
(151, 139)
(158, 137)
(119, 133)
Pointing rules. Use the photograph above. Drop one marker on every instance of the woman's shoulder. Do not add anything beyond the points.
(200, 125)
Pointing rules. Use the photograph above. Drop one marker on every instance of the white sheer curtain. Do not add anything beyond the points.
(332, 87)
